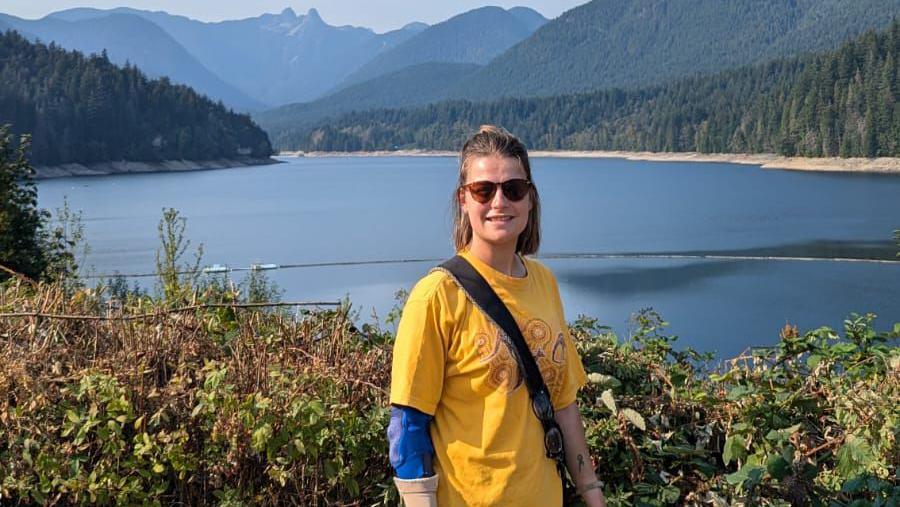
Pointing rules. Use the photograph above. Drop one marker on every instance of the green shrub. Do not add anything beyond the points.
(813, 420)
(147, 403)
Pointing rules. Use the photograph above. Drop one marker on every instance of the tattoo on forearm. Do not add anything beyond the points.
(580, 463)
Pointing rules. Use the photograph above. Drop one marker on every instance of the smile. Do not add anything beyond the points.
(500, 219)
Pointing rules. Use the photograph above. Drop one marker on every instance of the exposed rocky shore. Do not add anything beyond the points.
(126, 167)
(764, 160)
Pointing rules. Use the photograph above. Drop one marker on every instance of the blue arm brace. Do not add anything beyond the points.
(411, 450)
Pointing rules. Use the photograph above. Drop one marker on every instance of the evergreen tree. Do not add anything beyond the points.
(21, 221)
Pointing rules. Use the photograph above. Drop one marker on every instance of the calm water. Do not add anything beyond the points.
(371, 209)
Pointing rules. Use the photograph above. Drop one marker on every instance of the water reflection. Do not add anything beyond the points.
(628, 281)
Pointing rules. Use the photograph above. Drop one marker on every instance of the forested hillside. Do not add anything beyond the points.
(474, 37)
(615, 43)
(87, 110)
(839, 103)
(411, 86)
(128, 38)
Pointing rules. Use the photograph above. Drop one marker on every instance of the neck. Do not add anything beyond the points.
(500, 257)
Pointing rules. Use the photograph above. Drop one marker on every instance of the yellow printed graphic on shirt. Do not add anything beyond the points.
(498, 352)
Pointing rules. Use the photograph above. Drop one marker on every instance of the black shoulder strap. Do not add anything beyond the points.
(483, 296)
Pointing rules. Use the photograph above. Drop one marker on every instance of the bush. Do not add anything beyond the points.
(811, 421)
(150, 403)
(227, 405)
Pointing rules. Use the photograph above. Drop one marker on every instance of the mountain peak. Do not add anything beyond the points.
(288, 13)
(417, 26)
(530, 17)
(313, 15)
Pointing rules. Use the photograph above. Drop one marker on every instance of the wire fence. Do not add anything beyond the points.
(580, 255)
(166, 311)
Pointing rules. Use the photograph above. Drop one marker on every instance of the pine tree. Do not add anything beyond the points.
(21, 221)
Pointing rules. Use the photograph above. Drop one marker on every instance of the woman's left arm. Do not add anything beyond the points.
(578, 459)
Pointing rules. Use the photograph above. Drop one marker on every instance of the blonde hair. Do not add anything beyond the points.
(491, 140)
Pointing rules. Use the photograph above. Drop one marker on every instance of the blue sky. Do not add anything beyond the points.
(379, 15)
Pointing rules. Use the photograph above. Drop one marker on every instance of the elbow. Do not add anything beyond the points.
(409, 442)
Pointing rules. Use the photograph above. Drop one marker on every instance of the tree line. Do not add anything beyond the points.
(837, 103)
(84, 109)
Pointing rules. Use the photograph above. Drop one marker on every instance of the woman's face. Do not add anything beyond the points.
(498, 221)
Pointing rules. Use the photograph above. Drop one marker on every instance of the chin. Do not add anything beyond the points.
(503, 240)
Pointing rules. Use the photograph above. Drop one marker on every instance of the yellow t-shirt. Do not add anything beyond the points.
(450, 362)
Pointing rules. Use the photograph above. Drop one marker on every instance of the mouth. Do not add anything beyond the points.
(499, 219)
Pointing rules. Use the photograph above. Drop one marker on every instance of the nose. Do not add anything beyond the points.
(499, 200)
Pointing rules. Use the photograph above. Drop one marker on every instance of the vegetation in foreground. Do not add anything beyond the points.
(194, 396)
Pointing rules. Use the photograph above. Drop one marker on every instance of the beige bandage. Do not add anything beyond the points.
(418, 492)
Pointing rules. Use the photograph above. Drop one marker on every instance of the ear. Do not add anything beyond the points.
(461, 198)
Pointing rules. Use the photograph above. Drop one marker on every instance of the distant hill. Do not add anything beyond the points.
(844, 102)
(274, 58)
(87, 110)
(476, 36)
(410, 86)
(128, 38)
(628, 43)
(531, 18)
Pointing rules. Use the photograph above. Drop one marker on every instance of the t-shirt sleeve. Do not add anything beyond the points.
(573, 377)
(417, 373)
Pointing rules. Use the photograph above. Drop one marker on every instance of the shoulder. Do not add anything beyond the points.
(540, 270)
(435, 284)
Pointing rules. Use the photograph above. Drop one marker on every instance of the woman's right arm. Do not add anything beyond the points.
(417, 376)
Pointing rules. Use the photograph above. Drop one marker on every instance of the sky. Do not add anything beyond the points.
(381, 16)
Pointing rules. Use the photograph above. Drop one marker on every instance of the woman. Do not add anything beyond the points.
(462, 431)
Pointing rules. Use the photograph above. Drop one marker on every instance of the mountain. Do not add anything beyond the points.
(415, 72)
(628, 43)
(410, 86)
(837, 103)
(87, 110)
(530, 18)
(476, 36)
(274, 58)
(128, 38)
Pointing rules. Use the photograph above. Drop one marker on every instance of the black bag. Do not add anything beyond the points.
(485, 299)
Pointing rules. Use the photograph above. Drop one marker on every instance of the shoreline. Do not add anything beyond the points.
(885, 165)
(129, 167)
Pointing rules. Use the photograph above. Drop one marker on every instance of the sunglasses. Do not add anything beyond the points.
(483, 191)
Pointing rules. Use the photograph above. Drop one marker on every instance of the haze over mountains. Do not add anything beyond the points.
(297, 73)
(609, 43)
(274, 59)
(128, 38)
(268, 60)
(476, 36)
(419, 70)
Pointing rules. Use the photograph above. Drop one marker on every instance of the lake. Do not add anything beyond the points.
(726, 253)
